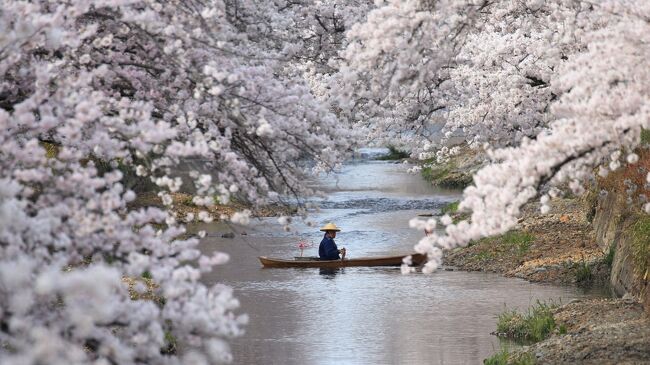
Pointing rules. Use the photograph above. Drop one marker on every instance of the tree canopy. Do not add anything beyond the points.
(549, 90)
(264, 93)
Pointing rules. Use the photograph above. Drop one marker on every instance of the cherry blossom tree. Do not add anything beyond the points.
(551, 90)
(481, 69)
(93, 92)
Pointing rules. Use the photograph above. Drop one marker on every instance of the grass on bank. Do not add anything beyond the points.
(450, 208)
(584, 273)
(641, 246)
(535, 325)
(484, 256)
(645, 135)
(435, 173)
(446, 176)
(504, 357)
(511, 246)
(518, 241)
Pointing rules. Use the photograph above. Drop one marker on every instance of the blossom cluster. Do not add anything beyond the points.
(551, 90)
(101, 100)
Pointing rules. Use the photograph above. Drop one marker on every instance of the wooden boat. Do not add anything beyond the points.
(416, 258)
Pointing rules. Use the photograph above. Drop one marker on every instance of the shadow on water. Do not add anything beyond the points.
(330, 273)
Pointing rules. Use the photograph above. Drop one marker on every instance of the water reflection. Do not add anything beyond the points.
(330, 273)
(365, 315)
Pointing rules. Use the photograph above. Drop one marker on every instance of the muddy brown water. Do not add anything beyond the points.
(365, 315)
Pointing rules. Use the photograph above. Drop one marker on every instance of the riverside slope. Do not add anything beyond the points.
(563, 247)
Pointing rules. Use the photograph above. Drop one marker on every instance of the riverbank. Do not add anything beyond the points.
(561, 248)
(599, 239)
(188, 212)
(558, 247)
(455, 171)
(597, 331)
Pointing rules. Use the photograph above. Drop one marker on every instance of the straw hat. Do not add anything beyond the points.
(330, 227)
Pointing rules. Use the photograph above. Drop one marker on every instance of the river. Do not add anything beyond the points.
(364, 315)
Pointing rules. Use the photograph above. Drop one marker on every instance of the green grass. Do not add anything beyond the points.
(394, 154)
(609, 258)
(584, 273)
(513, 243)
(171, 344)
(434, 173)
(445, 175)
(500, 358)
(520, 241)
(188, 201)
(484, 256)
(503, 357)
(450, 208)
(645, 135)
(641, 246)
(535, 325)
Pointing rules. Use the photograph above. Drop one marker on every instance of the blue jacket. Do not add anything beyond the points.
(328, 250)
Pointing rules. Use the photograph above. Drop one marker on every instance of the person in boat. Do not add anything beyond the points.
(327, 249)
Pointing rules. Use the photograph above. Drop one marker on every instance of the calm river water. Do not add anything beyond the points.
(365, 315)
